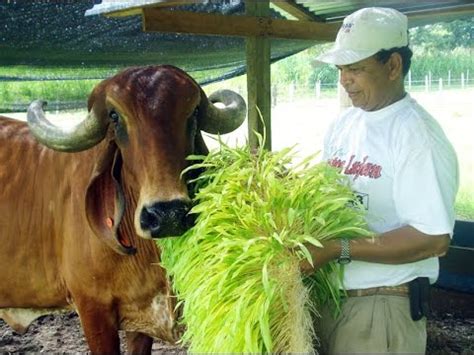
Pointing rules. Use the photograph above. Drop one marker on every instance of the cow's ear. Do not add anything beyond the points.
(105, 203)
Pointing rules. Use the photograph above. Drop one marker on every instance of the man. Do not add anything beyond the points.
(404, 172)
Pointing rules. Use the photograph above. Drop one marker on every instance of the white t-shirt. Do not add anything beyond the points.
(404, 171)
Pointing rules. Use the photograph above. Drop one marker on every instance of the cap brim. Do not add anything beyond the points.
(339, 56)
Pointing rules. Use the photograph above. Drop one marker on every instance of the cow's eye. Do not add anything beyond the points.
(114, 116)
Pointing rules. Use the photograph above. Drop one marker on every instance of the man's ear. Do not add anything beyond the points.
(395, 66)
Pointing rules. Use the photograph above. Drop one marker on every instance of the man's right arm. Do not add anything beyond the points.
(399, 246)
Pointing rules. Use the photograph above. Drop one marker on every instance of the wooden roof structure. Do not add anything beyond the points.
(316, 20)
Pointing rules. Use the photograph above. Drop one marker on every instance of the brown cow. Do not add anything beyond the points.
(70, 223)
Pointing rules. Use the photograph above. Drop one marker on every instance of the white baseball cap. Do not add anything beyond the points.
(366, 32)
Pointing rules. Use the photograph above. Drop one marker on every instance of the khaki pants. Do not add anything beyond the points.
(372, 325)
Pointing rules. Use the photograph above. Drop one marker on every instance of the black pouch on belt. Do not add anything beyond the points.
(419, 291)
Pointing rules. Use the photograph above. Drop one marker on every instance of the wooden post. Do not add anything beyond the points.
(258, 76)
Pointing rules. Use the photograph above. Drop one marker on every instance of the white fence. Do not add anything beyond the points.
(428, 83)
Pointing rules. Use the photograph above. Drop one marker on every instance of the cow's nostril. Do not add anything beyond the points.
(149, 218)
(164, 219)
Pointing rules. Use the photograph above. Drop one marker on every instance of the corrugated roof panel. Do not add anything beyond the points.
(337, 10)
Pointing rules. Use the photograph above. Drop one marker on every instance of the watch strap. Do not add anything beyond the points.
(345, 256)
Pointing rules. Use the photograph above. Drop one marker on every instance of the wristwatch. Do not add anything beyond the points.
(345, 257)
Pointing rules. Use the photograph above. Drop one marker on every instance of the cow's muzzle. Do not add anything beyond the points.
(166, 219)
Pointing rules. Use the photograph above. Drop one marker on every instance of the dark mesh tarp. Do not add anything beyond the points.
(58, 34)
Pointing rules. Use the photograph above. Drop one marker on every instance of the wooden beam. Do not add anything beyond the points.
(460, 10)
(296, 10)
(424, 17)
(258, 79)
(234, 25)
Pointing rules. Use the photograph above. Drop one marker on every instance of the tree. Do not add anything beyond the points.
(443, 36)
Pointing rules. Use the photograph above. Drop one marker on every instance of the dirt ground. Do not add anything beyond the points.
(59, 334)
(449, 335)
(450, 332)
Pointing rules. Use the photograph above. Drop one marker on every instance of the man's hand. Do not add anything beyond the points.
(320, 256)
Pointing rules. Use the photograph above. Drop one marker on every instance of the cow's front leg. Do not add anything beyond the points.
(138, 343)
(99, 323)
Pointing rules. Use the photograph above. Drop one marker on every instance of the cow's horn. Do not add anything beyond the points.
(221, 120)
(84, 135)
